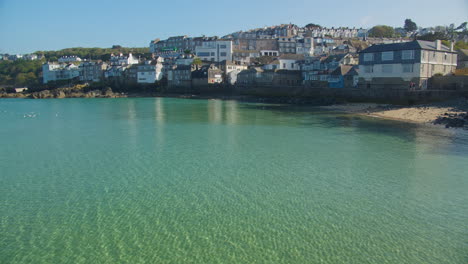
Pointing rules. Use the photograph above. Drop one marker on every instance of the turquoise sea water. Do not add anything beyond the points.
(156, 180)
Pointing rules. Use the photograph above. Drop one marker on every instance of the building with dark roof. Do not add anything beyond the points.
(405, 65)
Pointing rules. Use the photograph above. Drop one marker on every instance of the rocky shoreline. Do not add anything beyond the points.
(65, 93)
(451, 114)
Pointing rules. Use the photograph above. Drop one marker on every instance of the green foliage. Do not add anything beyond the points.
(312, 25)
(20, 72)
(197, 61)
(434, 36)
(462, 26)
(458, 45)
(410, 25)
(382, 31)
(94, 53)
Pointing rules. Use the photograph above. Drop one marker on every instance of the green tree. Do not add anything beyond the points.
(382, 31)
(312, 25)
(462, 26)
(410, 26)
(434, 36)
(197, 61)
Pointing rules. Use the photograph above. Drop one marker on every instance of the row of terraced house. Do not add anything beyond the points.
(284, 55)
(378, 66)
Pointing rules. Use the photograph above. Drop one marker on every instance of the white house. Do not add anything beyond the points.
(305, 46)
(414, 61)
(123, 60)
(56, 72)
(290, 62)
(232, 69)
(215, 50)
(151, 71)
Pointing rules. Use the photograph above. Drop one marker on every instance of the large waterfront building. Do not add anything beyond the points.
(398, 64)
(215, 50)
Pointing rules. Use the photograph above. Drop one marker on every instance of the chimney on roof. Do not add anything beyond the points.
(438, 44)
(451, 46)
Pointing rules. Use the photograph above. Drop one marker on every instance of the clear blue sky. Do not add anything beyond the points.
(31, 25)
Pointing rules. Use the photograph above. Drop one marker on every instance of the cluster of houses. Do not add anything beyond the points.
(283, 55)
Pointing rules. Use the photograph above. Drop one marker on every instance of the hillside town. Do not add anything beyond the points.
(278, 60)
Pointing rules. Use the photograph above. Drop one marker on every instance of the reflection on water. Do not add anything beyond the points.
(162, 180)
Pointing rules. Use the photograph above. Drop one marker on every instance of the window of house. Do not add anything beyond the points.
(407, 67)
(284, 65)
(368, 56)
(222, 46)
(407, 54)
(292, 65)
(212, 53)
(387, 68)
(223, 54)
(387, 55)
(445, 57)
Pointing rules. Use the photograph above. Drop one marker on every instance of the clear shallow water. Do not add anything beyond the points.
(206, 181)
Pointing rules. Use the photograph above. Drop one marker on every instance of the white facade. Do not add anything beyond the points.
(215, 50)
(337, 32)
(56, 72)
(397, 70)
(305, 46)
(413, 61)
(123, 60)
(232, 70)
(432, 62)
(285, 64)
(150, 72)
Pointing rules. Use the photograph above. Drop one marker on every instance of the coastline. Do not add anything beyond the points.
(450, 113)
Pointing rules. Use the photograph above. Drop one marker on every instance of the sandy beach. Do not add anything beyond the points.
(427, 113)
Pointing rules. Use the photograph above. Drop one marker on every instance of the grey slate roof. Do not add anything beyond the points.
(413, 45)
(291, 57)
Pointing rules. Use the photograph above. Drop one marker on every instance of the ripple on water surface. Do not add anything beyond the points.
(191, 181)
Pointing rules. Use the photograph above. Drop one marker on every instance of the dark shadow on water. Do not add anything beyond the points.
(443, 140)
